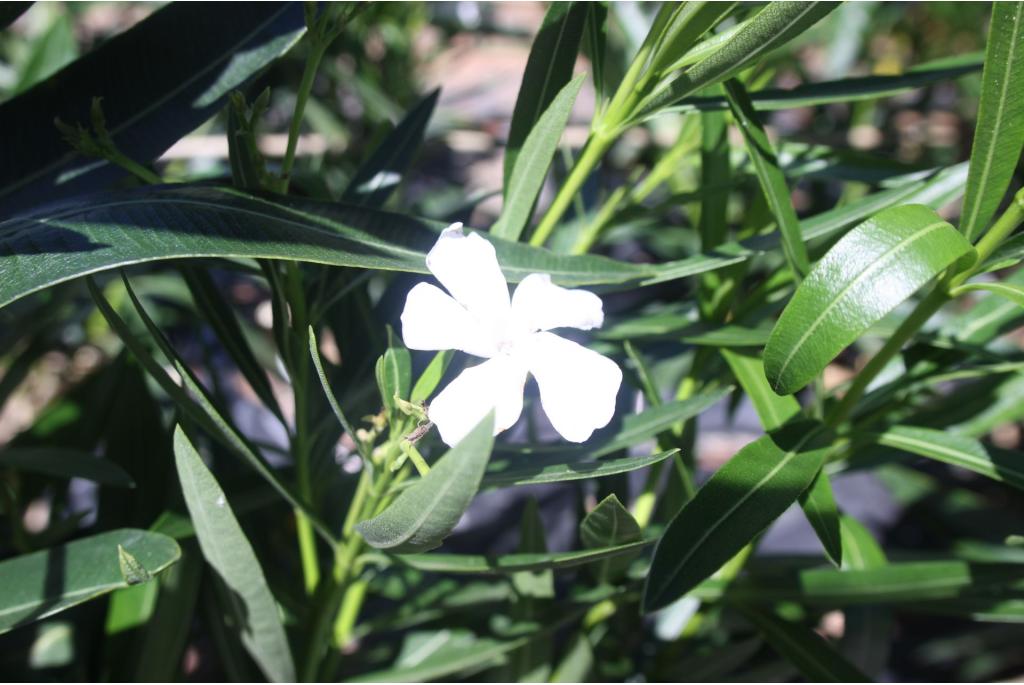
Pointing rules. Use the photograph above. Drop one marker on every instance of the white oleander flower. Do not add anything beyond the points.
(577, 386)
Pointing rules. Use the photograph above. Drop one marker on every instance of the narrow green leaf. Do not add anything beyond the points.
(865, 275)
(228, 551)
(999, 132)
(65, 463)
(845, 90)
(394, 372)
(325, 384)
(819, 506)
(816, 658)
(867, 638)
(421, 517)
(750, 491)
(193, 398)
(769, 175)
(907, 584)
(548, 70)
(478, 564)
(83, 569)
(169, 222)
(774, 26)
(379, 175)
(594, 46)
(157, 89)
(532, 163)
(555, 468)
(431, 376)
(989, 318)
(773, 410)
(221, 318)
(958, 450)
(1010, 291)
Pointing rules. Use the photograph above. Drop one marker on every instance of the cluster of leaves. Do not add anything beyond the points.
(305, 550)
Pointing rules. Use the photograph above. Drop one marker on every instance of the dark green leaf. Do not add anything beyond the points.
(65, 463)
(228, 551)
(82, 570)
(769, 175)
(548, 70)
(475, 564)
(431, 376)
(775, 25)
(610, 525)
(865, 275)
(958, 450)
(421, 517)
(749, 492)
(999, 132)
(527, 469)
(805, 649)
(819, 505)
(379, 175)
(168, 222)
(532, 162)
(156, 88)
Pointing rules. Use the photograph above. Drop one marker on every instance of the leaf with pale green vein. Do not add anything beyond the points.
(157, 88)
(774, 26)
(999, 131)
(843, 90)
(816, 658)
(381, 173)
(749, 492)
(1012, 292)
(957, 450)
(169, 222)
(229, 552)
(548, 69)
(422, 516)
(532, 163)
(65, 463)
(769, 176)
(865, 275)
(504, 471)
(84, 569)
(478, 564)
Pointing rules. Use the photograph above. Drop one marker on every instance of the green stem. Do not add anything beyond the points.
(317, 49)
(593, 151)
(993, 238)
(131, 166)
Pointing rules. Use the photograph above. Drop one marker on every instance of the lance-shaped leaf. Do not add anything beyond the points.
(156, 87)
(740, 500)
(774, 26)
(65, 463)
(769, 176)
(865, 275)
(957, 450)
(558, 468)
(169, 222)
(41, 584)
(228, 551)
(532, 162)
(548, 70)
(817, 659)
(379, 175)
(1012, 292)
(421, 517)
(999, 132)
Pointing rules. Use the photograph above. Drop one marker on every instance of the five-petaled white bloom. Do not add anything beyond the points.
(577, 386)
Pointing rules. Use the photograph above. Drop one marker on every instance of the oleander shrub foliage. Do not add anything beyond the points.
(236, 473)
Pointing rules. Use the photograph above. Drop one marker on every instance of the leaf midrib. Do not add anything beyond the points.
(875, 266)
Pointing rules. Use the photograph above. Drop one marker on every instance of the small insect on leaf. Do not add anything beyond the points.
(133, 572)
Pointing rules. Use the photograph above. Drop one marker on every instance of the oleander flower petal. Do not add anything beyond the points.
(578, 386)
(467, 266)
(433, 320)
(495, 384)
(540, 305)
